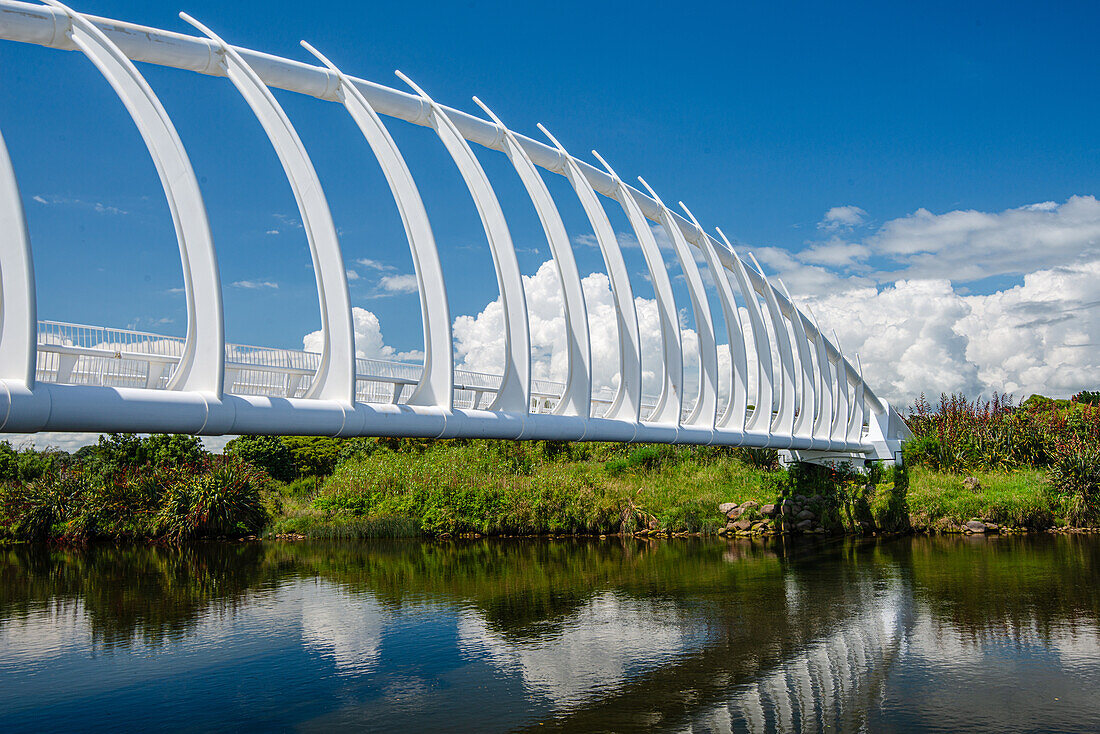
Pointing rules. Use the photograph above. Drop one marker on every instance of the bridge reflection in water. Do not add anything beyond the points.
(572, 636)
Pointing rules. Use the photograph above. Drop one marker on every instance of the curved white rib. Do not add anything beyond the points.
(335, 378)
(760, 420)
(577, 397)
(859, 412)
(839, 430)
(18, 313)
(670, 403)
(514, 393)
(705, 412)
(436, 385)
(627, 403)
(824, 416)
(807, 394)
(201, 366)
(783, 423)
(734, 415)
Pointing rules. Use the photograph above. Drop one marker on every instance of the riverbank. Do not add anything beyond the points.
(971, 467)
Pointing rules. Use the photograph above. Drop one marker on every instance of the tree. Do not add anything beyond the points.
(264, 452)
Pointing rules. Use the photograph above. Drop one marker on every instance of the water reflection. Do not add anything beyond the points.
(580, 636)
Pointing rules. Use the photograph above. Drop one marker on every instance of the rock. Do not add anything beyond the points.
(769, 510)
(817, 499)
(786, 509)
(972, 484)
(734, 513)
(804, 525)
(800, 499)
(742, 525)
(805, 515)
(975, 526)
(749, 505)
(725, 507)
(992, 527)
(653, 525)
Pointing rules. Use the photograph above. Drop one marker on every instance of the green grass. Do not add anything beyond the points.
(504, 488)
(1019, 498)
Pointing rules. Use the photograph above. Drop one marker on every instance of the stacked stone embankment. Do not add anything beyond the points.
(796, 514)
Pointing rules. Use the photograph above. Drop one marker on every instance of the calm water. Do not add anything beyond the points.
(898, 635)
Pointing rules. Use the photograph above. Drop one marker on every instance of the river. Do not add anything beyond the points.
(902, 634)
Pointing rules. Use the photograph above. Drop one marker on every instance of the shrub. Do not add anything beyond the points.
(9, 463)
(314, 456)
(268, 453)
(1075, 479)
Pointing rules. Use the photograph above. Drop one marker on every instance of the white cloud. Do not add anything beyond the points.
(272, 231)
(842, 217)
(405, 283)
(352, 275)
(369, 343)
(255, 284)
(970, 245)
(96, 206)
(479, 340)
(366, 262)
(923, 336)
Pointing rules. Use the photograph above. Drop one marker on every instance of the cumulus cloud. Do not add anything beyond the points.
(842, 217)
(916, 327)
(369, 342)
(479, 339)
(394, 284)
(970, 245)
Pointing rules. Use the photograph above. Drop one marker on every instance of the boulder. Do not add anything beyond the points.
(804, 525)
(742, 525)
(786, 508)
(975, 526)
(769, 510)
(971, 484)
(805, 515)
(734, 513)
(749, 505)
(800, 499)
(725, 507)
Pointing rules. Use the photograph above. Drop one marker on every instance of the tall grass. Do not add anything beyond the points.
(508, 487)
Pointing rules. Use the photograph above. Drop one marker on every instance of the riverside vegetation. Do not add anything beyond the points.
(1000, 465)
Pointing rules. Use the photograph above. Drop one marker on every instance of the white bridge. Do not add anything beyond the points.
(806, 396)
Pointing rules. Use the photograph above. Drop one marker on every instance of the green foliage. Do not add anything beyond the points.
(1087, 397)
(314, 456)
(173, 449)
(268, 453)
(9, 463)
(127, 452)
(1060, 436)
(508, 487)
(223, 501)
(1075, 480)
(213, 498)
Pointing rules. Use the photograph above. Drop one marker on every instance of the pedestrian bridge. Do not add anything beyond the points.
(805, 395)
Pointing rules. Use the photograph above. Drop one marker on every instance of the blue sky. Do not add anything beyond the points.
(762, 118)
